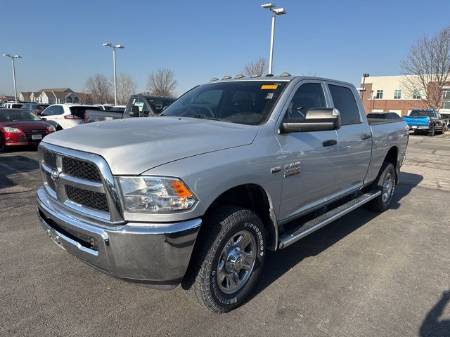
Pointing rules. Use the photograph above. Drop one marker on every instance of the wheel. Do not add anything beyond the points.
(432, 131)
(386, 184)
(231, 259)
(2, 145)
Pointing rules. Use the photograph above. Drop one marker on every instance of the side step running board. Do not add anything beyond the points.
(324, 219)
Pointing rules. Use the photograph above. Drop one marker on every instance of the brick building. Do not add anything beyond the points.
(391, 93)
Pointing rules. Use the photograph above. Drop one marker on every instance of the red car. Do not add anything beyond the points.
(20, 127)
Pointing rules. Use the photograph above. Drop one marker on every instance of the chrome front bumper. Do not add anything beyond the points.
(157, 254)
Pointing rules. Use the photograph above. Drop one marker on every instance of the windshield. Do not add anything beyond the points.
(246, 102)
(422, 113)
(14, 116)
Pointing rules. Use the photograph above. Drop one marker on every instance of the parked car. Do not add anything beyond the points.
(35, 108)
(428, 121)
(145, 106)
(20, 127)
(106, 113)
(232, 169)
(67, 115)
(383, 115)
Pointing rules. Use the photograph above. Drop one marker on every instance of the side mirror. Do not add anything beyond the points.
(317, 119)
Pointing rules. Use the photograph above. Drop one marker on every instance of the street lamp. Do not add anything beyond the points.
(363, 87)
(275, 11)
(13, 59)
(114, 47)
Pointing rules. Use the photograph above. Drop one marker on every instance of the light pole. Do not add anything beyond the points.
(275, 11)
(13, 59)
(365, 75)
(114, 47)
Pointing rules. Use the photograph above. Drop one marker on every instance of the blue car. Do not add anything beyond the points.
(427, 121)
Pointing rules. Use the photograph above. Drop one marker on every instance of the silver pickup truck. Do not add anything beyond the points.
(230, 170)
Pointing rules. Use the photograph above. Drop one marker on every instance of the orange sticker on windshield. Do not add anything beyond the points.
(269, 86)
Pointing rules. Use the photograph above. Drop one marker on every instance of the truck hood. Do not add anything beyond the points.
(135, 145)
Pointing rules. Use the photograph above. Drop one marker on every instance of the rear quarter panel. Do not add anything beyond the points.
(386, 136)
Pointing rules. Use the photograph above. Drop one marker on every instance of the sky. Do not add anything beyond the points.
(61, 41)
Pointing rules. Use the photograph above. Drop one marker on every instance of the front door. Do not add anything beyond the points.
(308, 158)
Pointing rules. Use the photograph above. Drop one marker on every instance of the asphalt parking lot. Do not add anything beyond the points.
(364, 275)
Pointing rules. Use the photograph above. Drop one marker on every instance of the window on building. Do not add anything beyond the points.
(397, 94)
(446, 105)
(379, 94)
(446, 94)
(416, 94)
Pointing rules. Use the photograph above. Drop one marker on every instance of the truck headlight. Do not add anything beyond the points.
(152, 194)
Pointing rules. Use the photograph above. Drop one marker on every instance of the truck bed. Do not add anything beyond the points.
(375, 121)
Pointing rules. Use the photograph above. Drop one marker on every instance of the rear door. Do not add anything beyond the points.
(309, 160)
(55, 113)
(354, 138)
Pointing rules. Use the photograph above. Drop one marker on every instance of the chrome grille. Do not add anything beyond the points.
(80, 169)
(50, 159)
(50, 181)
(86, 198)
(82, 182)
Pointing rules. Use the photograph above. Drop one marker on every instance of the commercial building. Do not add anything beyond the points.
(394, 93)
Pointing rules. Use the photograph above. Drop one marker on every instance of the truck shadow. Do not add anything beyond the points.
(10, 165)
(280, 262)
(433, 325)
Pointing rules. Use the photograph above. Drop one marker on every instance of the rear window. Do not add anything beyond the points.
(422, 113)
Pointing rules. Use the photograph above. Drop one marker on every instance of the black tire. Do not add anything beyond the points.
(2, 145)
(223, 226)
(381, 203)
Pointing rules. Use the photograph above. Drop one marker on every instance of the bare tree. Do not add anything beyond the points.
(162, 83)
(255, 68)
(125, 88)
(429, 63)
(100, 89)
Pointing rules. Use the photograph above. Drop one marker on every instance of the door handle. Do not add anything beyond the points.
(366, 136)
(329, 142)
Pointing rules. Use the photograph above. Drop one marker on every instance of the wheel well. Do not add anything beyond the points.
(253, 197)
(392, 156)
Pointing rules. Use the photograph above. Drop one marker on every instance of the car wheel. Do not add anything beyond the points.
(2, 145)
(386, 184)
(231, 259)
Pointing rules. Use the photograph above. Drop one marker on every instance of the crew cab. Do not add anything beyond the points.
(230, 170)
(428, 121)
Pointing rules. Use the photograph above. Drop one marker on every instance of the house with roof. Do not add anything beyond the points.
(54, 96)
(24, 96)
(57, 96)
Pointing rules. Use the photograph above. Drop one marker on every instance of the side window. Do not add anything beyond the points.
(51, 111)
(345, 102)
(138, 108)
(59, 110)
(309, 95)
(156, 105)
